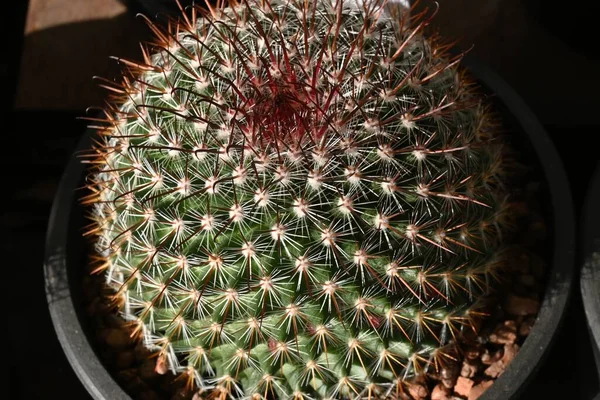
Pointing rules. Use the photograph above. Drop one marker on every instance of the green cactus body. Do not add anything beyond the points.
(299, 199)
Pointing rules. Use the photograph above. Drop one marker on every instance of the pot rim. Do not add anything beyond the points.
(589, 280)
(69, 330)
(100, 383)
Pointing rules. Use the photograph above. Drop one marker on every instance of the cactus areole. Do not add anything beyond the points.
(299, 199)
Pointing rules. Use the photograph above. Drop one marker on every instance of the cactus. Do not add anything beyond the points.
(299, 199)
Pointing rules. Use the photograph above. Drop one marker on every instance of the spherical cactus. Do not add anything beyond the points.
(299, 199)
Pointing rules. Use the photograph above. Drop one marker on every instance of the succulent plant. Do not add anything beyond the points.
(299, 199)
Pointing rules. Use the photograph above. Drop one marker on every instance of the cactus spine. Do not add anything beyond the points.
(299, 199)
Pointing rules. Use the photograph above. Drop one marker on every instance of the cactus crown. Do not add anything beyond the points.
(298, 199)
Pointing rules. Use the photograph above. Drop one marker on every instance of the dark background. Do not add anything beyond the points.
(548, 54)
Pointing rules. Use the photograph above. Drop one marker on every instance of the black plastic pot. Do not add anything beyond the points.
(65, 255)
(590, 271)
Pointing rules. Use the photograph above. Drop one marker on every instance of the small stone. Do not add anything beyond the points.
(124, 359)
(495, 369)
(417, 391)
(504, 333)
(449, 383)
(521, 305)
(448, 375)
(478, 389)
(526, 325)
(463, 386)
(472, 353)
(440, 392)
(468, 370)
(510, 351)
(161, 365)
(449, 372)
(487, 358)
(401, 396)
(117, 338)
